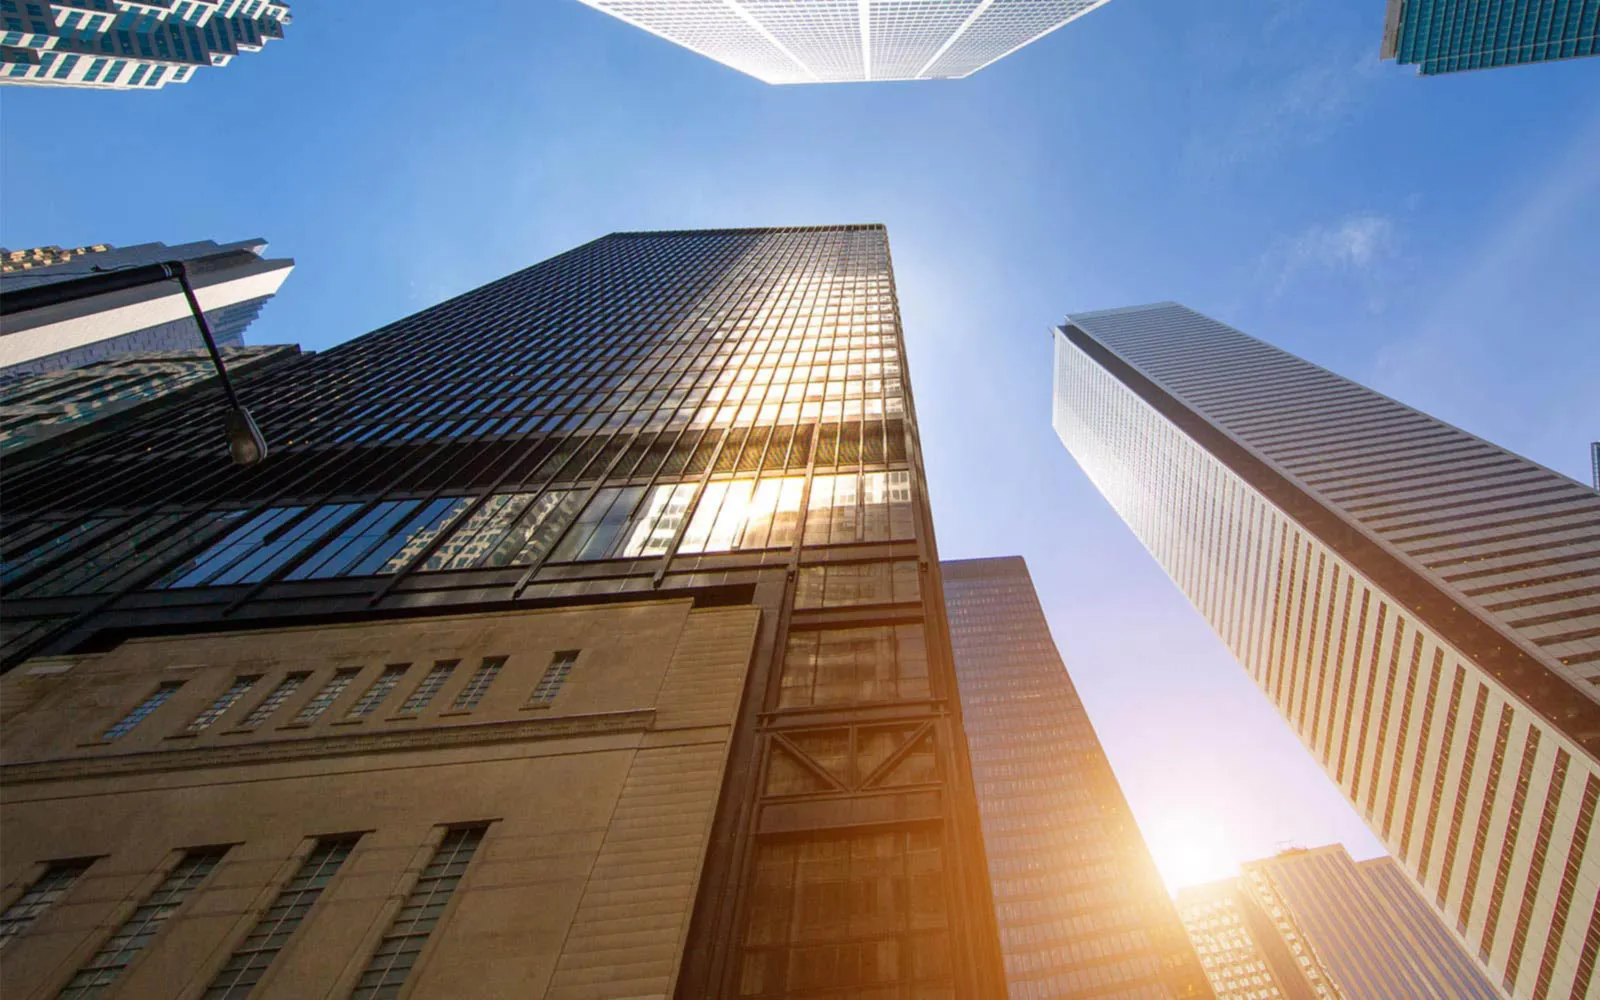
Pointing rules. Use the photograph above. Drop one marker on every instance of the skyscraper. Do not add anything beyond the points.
(1240, 948)
(125, 46)
(1444, 36)
(1333, 929)
(1082, 912)
(1422, 606)
(836, 41)
(601, 602)
(72, 309)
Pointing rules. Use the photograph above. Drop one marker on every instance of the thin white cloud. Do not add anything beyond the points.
(1360, 248)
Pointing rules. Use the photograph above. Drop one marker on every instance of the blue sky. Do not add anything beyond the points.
(1438, 239)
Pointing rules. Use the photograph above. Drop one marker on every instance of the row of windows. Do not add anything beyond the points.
(506, 529)
(386, 970)
(382, 686)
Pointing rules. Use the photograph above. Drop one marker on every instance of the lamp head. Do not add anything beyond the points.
(245, 442)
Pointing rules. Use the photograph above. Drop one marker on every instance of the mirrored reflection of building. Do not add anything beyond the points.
(71, 308)
(43, 407)
(1082, 912)
(129, 45)
(1314, 923)
(582, 636)
(1422, 606)
(834, 41)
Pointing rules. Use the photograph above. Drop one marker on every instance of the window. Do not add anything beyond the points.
(745, 514)
(397, 952)
(374, 695)
(44, 893)
(255, 549)
(842, 666)
(272, 702)
(871, 507)
(429, 687)
(143, 924)
(510, 529)
(254, 955)
(478, 685)
(555, 675)
(142, 710)
(226, 700)
(848, 914)
(839, 585)
(329, 694)
(381, 540)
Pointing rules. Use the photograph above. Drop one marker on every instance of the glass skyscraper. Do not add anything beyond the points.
(129, 46)
(1422, 607)
(711, 423)
(1315, 924)
(1444, 36)
(834, 41)
(1082, 911)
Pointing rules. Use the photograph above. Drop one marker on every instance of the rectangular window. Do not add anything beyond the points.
(397, 952)
(429, 687)
(871, 507)
(382, 540)
(272, 702)
(843, 584)
(851, 914)
(313, 709)
(478, 685)
(238, 689)
(374, 695)
(254, 955)
(744, 514)
(142, 710)
(143, 924)
(845, 666)
(555, 675)
(255, 549)
(599, 529)
(44, 893)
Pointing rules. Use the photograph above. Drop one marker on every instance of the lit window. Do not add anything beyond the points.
(478, 685)
(226, 700)
(374, 695)
(327, 696)
(272, 702)
(555, 675)
(424, 692)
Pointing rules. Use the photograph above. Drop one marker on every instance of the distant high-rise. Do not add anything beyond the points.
(1444, 36)
(1082, 912)
(68, 308)
(601, 601)
(836, 41)
(1240, 948)
(128, 44)
(1422, 606)
(1328, 928)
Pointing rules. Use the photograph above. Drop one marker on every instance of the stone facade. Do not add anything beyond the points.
(597, 797)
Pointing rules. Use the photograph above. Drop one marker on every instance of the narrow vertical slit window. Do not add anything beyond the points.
(143, 924)
(374, 695)
(336, 686)
(44, 893)
(478, 684)
(424, 692)
(274, 701)
(397, 952)
(555, 675)
(250, 961)
(143, 710)
(238, 689)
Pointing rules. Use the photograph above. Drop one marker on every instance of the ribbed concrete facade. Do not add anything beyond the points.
(1422, 606)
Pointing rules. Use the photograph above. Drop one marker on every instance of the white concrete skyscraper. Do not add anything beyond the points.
(838, 41)
(1422, 606)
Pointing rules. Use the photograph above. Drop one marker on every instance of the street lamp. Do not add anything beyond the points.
(245, 441)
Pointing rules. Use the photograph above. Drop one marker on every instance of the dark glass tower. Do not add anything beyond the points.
(720, 415)
(1082, 912)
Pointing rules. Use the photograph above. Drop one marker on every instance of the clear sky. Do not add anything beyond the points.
(1438, 239)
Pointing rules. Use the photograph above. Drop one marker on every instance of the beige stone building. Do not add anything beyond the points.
(516, 803)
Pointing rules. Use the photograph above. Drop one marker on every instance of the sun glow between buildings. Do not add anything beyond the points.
(1190, 849)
